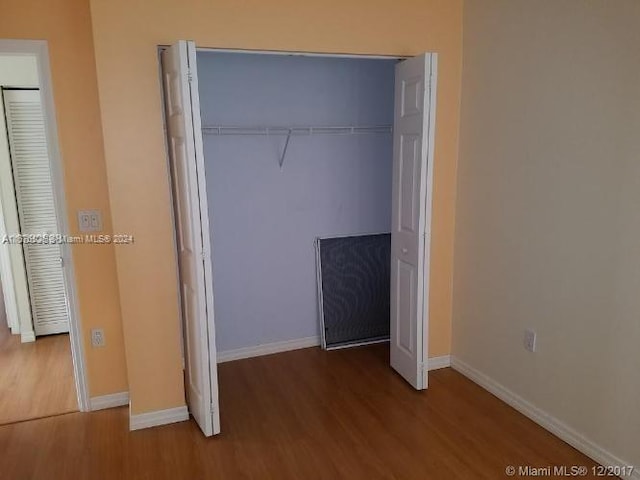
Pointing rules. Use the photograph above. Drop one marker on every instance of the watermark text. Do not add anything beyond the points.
(59, 238)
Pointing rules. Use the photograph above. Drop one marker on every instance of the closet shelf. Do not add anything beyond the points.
(297, 130)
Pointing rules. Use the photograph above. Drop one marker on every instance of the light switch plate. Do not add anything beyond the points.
(89, 220)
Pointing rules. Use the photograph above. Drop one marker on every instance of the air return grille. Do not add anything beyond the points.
(353, 289)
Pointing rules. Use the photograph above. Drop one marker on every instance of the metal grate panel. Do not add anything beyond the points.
(353, 288)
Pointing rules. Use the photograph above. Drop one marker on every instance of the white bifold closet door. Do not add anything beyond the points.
(184, 132)
(413, 134)
(411, 220)
(36, 209)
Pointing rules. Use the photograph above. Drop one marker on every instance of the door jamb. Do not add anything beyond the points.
(6, 279)
(291, 53)
(39, 50)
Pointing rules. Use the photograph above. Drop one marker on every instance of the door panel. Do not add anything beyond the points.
(36, 209)
(406, 330)
(409, 182)
(192, 237)
(411, 217)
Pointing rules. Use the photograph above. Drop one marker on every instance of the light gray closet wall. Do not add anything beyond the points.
(264, 219)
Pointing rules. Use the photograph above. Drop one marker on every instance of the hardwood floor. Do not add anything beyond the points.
(306, 414)
(36, 379)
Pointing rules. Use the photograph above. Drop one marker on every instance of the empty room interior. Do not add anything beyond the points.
(273, 239)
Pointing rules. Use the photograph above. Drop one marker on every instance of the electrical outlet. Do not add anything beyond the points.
(530, 340)
(97, 337)
(89, 220)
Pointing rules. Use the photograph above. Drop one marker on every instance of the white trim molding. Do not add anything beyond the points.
(436, 363)
(157, 418)
(109, 401)
(542, 418)
(27, 337)
(289, 53)
(268, 349)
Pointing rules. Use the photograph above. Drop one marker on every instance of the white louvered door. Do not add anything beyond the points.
(36, 209)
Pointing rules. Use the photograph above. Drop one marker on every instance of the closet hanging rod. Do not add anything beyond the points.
(288, 131)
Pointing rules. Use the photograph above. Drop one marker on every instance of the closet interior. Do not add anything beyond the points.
(297, 148)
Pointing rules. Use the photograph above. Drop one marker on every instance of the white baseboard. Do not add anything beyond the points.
(109, 401)
(268, 348)
(548, 422)
(436, 363)
(159, 417)
(27, 337)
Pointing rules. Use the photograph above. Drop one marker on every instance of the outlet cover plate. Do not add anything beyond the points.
(89, 220)
(97, 337)
(530, 340)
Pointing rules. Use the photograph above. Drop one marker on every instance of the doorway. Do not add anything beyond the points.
(279, 207)
(43, 372)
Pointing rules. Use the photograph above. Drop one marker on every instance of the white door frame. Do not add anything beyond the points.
(429, 157)
(39, 49)
(289, 53)
(6, 278)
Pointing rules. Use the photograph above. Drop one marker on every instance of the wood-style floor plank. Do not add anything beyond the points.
(306, 414)
(36, 379)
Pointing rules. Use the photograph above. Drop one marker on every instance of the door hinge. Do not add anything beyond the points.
(189, 76)
(213, 409)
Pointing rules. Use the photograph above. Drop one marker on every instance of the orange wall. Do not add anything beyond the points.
(126, 34)
(66, 25)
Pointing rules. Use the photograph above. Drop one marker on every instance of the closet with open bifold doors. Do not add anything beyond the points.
(302, 199)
